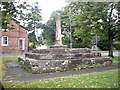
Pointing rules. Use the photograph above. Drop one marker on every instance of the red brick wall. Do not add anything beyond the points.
(23, 34)
(13, 39)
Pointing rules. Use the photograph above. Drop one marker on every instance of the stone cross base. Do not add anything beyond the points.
(59, 46)
(62, 59)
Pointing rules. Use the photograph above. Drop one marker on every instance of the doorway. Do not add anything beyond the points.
(21, 44)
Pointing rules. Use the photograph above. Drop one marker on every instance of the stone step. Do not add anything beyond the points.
(62, 50)
(43, 65)
(47, 60)
(60, 56)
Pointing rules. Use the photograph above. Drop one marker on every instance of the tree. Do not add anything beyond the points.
(50, 26)
(49, 30)
(80, 33)
(29, 16)
(113, 25)
(12, 11)
(33, 23)
(8, 12)
(99, 18)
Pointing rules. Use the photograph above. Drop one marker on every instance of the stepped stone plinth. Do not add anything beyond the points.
(59, 46)
(61, 58)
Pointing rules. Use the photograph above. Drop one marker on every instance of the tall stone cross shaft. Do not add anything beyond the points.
(58, 31)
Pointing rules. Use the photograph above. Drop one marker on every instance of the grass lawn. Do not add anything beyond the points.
(106, 79)
(5, 59)
(0, 69)
(116, 59)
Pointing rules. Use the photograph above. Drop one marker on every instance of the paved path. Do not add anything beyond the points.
(12, 55)
(12, 64)
(115, 53)
(14, 69)
(24, 76)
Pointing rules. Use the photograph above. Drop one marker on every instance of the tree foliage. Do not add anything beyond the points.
(91, 18)
(49, 30)
(33, 23)
(8, 12)
(28, 15)
(13, 11)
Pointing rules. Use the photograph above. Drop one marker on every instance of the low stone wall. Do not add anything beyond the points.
(50, 60)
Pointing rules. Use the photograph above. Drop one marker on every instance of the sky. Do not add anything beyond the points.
(48, 6)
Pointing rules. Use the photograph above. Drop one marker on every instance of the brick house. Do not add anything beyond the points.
(14, 41)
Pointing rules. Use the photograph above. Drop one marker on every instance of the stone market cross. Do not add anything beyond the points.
(58, 36)
(60, 58)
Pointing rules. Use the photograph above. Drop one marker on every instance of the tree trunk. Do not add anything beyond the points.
(110, 38)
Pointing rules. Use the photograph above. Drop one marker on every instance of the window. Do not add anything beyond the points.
(4, 41)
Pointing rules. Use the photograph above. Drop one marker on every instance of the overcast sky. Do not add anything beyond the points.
(48, 6)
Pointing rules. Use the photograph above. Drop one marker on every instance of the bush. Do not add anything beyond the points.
(103, 44)
(116, 45)
(81, 44)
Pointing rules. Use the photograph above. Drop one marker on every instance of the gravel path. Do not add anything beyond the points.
(24, 76)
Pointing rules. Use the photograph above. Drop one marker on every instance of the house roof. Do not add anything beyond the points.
(19, 23)
(23, 27)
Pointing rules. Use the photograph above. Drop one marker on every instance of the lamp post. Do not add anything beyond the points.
(96, 37)
(70, 28)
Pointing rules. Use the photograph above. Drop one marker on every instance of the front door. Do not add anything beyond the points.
(21, 44)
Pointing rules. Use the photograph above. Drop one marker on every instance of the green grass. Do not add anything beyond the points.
(116, 59)
(5, 59)
(0, 69)
(106, 79)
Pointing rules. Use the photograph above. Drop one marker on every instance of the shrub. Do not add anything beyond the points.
(103, 45)
(116, 45)
(81, 44)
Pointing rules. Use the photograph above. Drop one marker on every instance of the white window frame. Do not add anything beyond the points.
(3, 41)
